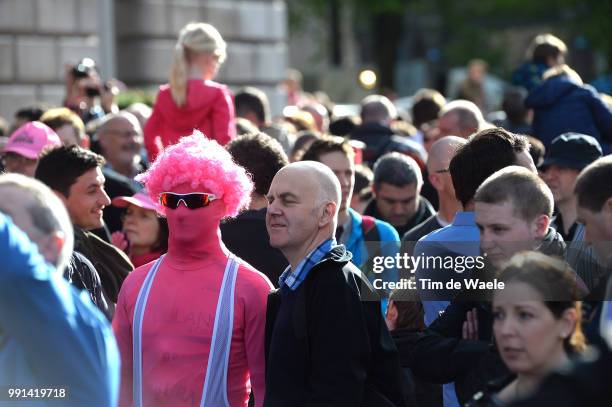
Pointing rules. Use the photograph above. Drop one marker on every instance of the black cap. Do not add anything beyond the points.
(572, 150)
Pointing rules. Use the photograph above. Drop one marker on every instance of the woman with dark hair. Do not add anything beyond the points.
(144, 235)
(536, 325)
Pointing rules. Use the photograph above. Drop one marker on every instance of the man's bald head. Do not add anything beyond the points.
(119, 116)
(460, 118)
(377, 109)
(442, 151)
(319, 177)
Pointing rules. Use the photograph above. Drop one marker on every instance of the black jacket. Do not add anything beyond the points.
(587, 383)
(112, 264)
(83, 275)
(425, 394)
(247, 237)
(341, 351)
(488, 397)
(441, 355)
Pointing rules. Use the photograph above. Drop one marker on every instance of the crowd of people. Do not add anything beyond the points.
(201, 252)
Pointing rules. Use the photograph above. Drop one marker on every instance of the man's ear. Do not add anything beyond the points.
(434, 180)
(391, 316)
(328, 212)
(102, 141)
(607, 206)
(540, 226)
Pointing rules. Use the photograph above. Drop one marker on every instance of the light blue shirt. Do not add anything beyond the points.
(460, 238)
(52, 335)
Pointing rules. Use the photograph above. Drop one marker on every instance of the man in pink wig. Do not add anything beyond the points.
(190, 326)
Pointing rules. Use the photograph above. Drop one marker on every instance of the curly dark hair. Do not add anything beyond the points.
(262, 157)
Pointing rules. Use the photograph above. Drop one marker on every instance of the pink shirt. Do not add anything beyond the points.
(177, 332)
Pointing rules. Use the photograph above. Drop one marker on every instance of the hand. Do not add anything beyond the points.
(69, 82)
(119, 240)
(470, 326)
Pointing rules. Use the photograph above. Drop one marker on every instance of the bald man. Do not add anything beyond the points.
(325, 344)
(440, 155)
(460, 118)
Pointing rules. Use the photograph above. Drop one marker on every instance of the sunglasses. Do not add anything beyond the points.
(192, 200)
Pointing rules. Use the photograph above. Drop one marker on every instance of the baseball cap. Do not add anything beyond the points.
(140, 199)
(572, 150)
(31, 139)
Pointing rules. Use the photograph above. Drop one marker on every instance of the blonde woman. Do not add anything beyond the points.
(192, 100)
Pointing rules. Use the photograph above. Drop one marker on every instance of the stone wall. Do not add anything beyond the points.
(37, 37)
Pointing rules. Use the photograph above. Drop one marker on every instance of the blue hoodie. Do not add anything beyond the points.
(51, 336)
(561, 105)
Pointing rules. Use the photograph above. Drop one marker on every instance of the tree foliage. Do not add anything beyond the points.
(468, 25)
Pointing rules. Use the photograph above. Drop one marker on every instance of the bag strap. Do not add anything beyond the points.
(369, 229)
(214, 392)
(141, 303)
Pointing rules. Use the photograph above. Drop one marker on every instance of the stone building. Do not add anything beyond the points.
(132, 40)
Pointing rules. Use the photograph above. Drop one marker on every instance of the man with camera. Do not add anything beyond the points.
(86, 94)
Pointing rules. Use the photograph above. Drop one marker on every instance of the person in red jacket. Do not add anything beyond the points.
(192, 100)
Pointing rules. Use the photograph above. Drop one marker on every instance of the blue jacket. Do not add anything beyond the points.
(50, 334)
(357, 246)
(561, 105)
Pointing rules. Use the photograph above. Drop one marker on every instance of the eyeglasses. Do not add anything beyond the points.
(123, 133)
(192, 200)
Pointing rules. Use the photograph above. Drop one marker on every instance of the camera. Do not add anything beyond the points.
(84, 68)
(92, 91)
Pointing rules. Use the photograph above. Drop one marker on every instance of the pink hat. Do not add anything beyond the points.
(140, 199)
(31, 139)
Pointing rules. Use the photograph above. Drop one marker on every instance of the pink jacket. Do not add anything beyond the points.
(209, 108)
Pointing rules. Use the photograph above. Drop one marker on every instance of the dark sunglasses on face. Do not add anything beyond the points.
(192, 200)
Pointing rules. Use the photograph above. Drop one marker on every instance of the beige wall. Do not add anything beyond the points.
(37, 37)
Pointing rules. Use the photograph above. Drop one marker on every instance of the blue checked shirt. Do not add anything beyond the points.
(293, 279)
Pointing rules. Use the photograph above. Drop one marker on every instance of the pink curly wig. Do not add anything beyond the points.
(205, 166)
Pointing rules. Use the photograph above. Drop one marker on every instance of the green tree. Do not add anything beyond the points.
(467, 25)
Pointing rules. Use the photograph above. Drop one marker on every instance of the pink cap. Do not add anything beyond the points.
(140, 199)
(31, 139)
